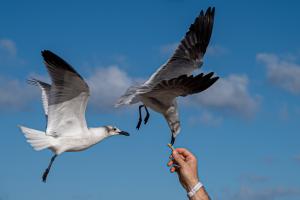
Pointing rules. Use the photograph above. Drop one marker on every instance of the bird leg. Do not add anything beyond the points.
(147, 115)
(45, 174)
(140, 117)
(172, 140)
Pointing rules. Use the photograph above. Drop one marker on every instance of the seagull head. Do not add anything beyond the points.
(112, 130)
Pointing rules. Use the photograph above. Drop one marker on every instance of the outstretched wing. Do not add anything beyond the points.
(188, 55)
(182, 86)
(68, 98)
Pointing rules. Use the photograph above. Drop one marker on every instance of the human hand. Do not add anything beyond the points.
(185, 164)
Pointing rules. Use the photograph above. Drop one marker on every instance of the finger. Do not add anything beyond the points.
(170, 163)
(185, 153)
(172, 158)
(173, 169)
(178, 158)
(176, 166)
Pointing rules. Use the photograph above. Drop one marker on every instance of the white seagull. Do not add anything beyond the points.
(174, 78)
(64, 104)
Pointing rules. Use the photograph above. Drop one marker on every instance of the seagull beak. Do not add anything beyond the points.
(124, 133)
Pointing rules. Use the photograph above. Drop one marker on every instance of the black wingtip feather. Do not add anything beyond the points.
(208, 10)
(32, 81)
(209, 75)
(213, 11)
(54, 60)
(199, 83)
(203, 26)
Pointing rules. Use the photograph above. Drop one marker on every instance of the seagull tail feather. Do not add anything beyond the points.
(37, 139)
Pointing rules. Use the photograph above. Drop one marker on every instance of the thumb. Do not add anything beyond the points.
(178, 158)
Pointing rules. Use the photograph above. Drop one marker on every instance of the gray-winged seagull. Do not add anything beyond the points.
(64, 104)
(174, 78)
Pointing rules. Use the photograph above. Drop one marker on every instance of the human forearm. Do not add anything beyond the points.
(185, 164)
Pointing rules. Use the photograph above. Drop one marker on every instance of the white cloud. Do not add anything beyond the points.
(230, 94)
(281, 72)
(9, 53)
(206, 118)
(15, 95)
(209, 119)
(8, 46)
(107, 85)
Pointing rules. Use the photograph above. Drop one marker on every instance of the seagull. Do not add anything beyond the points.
(64, 103)
(174, 78)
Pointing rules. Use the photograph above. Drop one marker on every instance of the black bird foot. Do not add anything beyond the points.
(147, 115)
(172, 140)
(45, 174)
(146, 118)
(139, 124)
(140, 117)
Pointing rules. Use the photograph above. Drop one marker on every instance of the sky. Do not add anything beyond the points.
(244, 130)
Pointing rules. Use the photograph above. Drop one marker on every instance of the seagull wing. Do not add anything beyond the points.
(189, 53)
(182, 86)
(45, 88)
(68, 98)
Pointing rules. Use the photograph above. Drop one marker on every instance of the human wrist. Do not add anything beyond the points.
(195, 189)
(191, 183)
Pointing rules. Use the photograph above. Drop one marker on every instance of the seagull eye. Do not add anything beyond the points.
(114, 129)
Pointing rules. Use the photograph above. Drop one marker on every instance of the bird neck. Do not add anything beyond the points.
(99, 133)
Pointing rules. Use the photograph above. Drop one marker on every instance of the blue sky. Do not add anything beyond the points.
(244, 130)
